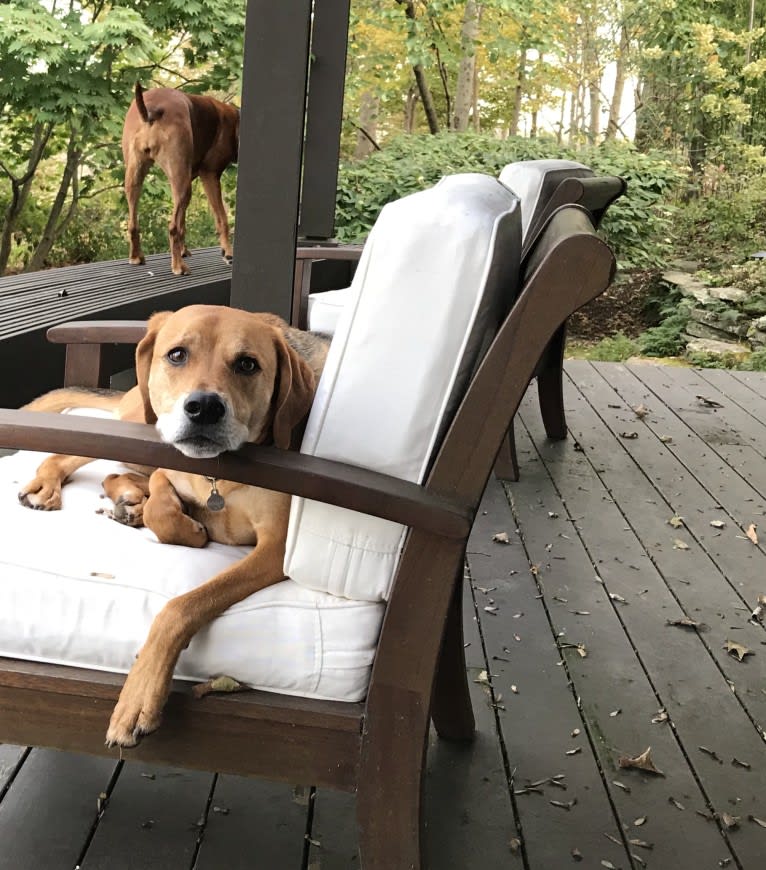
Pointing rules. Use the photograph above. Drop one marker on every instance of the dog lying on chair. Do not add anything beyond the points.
(211, 378)
(187, 136)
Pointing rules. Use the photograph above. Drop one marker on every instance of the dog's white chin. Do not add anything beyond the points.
(199, 451)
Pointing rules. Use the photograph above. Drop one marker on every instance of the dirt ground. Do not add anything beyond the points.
(622, 308)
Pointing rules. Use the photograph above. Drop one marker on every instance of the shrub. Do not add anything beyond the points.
(637, 225)
(666, 339)
(617, 348)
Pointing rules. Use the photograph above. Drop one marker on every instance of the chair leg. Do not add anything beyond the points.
(451, 708)
(390, 791)
(506, 462)
(550, 386)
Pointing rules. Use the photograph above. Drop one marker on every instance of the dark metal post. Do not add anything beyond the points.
(270, 150)
(324, 115)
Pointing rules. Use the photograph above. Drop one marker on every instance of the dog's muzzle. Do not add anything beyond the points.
(201, 425)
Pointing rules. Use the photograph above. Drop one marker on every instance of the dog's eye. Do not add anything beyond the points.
(177, 356)
(246, 365)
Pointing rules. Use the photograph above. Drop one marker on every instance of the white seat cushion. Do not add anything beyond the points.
(80, 589)
(325, 309)
(436, 275)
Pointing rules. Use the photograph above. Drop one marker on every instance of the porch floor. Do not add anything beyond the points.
(638, 520)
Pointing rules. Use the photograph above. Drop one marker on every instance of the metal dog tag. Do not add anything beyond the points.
(215, 500)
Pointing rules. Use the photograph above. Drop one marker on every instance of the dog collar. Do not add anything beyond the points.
(215, 500)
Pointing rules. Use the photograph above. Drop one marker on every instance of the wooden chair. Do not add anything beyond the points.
(375, 747)
(544, 186)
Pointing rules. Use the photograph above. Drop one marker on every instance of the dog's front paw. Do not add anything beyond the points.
(138, 711)
(41, 494)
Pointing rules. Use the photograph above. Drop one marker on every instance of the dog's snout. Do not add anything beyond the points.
(204, 408)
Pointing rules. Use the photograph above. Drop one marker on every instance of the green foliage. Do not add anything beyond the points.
(756, 362)
(636, 226)
(616, 348)
(665, 339)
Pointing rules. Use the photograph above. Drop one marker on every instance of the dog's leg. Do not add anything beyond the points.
(43, 492)
(135, 173)
(139, 708)
(128, 493)
(211, 184)
(180, 186)
(164, 514)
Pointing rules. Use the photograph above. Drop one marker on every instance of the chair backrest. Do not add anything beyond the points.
(543, 186)
(437, 275)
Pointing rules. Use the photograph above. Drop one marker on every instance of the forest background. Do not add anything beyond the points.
(670, 94)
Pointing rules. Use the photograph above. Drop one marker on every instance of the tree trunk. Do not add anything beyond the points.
(368, 125)
(613, 124)
(20, 188)
(54, 225)
(593, 79)
(419, 73)
(513, 128)
(464, 90)
(410, 104)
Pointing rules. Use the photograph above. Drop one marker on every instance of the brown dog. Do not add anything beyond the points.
(211, 378)
(187, 136)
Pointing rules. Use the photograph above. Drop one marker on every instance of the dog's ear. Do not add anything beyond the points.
(144, 354)
(293, 394)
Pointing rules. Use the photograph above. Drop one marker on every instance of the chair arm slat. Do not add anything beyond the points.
(323, 480)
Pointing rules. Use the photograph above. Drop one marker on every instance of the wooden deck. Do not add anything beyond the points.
(574, 660)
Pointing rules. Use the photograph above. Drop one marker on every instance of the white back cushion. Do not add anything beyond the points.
(533, 181)
(437, 273)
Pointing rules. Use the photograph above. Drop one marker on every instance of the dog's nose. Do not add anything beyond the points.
(204, 408)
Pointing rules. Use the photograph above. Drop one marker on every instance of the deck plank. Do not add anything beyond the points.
(538, 720)
(151, 821)
(612, 677)
(11, 758)
(697, 696)
(47, 814)
(254, 823)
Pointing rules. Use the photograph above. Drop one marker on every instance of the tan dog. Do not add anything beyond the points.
(187, 136)
(211, 378)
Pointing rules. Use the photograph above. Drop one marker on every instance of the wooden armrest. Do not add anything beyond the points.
(285, 471)
(98, 332)
(329, 252)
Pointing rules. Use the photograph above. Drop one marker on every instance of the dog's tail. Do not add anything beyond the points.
(75, 397)
(149, 116)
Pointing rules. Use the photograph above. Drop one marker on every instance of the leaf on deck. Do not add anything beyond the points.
(501, 538)
(751, 533)
(640, 762)
(738, 650)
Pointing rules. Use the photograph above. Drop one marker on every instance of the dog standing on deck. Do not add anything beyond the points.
(211, 378)
(186, 136)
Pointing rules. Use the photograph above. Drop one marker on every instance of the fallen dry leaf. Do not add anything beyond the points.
(678, 544)
(621, 785)
(757, 821)
(737, 650)
(608, 865)
(629, 436)
(677, 804)
(218, 684)
(737, 763)
(640, 843)
(751, 533)
(576, 854)
(661, 716)
(709, 403)
(564, 805)
(574, 751)
(515, 844)
(717, 524)
(728, 821)
(666, 439)
(759, 609)
(501, 538)
(639, 822)
(711, 752)
(676, 521)
(640, 411)
(685, 622)
(640, 762)
(483, 678)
